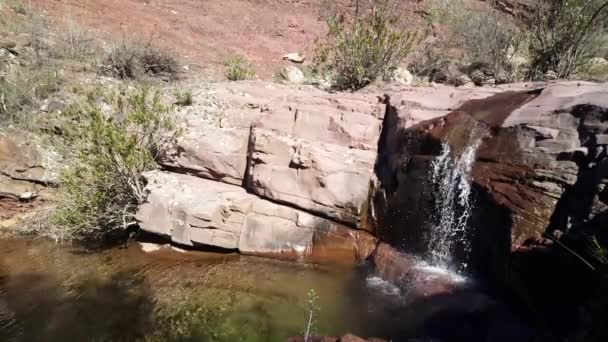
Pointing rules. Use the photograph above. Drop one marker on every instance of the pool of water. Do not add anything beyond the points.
(52, 292)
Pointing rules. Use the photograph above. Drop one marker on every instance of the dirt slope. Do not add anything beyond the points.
(204, 32)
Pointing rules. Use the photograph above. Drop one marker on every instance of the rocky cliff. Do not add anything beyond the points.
(280, 170)
(539, 170)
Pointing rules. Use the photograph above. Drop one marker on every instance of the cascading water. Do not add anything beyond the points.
(450, 177)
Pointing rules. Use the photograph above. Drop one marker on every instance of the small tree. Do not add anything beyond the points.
(365, 47)
(564, 34)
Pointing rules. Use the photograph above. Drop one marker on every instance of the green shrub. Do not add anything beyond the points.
(132, 60)
(238, 68)
(23, 89)
(103, 188)
(483, 36)
(565, 34)
(364, 48)
(183, 98)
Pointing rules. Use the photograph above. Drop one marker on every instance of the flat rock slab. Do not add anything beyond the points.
(324, 179)
(212, 153)
(194, 211)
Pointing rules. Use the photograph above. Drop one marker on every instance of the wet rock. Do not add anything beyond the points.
(230, 218)
(534, 148)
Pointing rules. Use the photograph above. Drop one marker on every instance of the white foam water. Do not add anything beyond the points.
(450, 176)
(383, 286)
(432, 272)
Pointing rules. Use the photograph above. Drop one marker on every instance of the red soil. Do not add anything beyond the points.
(205, 33)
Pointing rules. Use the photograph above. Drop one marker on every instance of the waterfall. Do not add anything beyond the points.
(452, 207)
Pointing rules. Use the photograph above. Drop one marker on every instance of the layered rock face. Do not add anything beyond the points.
(539, 165)
(27, 167)
(270, 170)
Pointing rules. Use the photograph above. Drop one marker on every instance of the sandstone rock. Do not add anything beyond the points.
(193, 211)
(303, 111)
(534, 145)
(294, 57)
(214, 153)
(329, 180)
(293, 74)
(24, 156)
(403, 76)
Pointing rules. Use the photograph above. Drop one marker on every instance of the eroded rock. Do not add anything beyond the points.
(329, 180)
(23, 156)
(193, 211)
(536, 147)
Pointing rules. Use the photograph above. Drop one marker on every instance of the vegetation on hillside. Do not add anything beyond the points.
(364, 46)
(238, 68)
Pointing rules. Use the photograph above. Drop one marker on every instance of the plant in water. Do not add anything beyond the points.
(366, 47)
(312, 310)
(103, 188)
(238, 68)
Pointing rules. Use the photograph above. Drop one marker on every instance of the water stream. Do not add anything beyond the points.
(450, 176)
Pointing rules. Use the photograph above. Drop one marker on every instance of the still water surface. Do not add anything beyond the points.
(52, 292)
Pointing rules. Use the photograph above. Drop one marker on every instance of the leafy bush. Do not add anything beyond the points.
(238, 68)
(483, 36)
(183, 98)
(364, 48)
(103, 188)
(132, 60)
(564, 34)
(23, 88)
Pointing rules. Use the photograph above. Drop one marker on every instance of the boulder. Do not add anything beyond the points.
(403, 76)
(194, 211)
(23, 156)
(293, 74)
(294, 57)
(324, 179)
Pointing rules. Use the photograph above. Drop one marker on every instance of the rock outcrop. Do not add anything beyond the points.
(536, 149)
(269, 169)
(329, 180)
(28, 167)
(195, 211)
